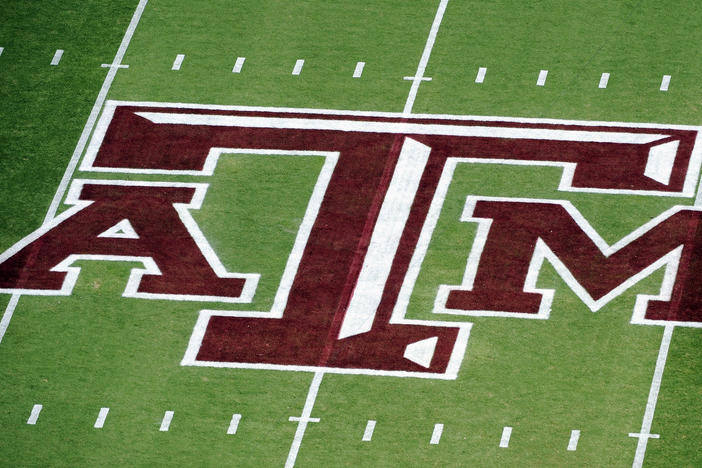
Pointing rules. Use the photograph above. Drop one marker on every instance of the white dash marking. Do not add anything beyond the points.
(178, 62)
(645, 433)
(298, 67)
(359, 69)
(385, 239)
(573, 442)
(368, 433)
(436, 435)
(304, 419)
(541, 81)
(57, 57)
(506, 434)
(234, 424)
(1, 50)
(604, 79)
(166, 423)
(481, 75)
(102, 415)
(34, 415)
(238, 65)
(665, 82)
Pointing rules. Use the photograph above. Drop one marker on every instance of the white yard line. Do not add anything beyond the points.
(419, 76)
(304, 419)
(645, 433)
(7, 316)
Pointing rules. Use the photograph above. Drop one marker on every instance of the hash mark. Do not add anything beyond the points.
(238, 64)
(481, 75)
(178, 62)
(368, 433)
(234, 424)
(166, 423)
(665, 82)
(36, 409)
(604, 79)
(1, 49)
(57, 57)
(506, 434)
(436, 435)
(573, 442)
(541, 81)
(100, 421)
(298, 67)
(359, 69)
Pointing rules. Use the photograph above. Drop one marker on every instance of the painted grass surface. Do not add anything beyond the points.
(578, 370)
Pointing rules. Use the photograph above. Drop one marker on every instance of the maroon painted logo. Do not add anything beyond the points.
(343, 296)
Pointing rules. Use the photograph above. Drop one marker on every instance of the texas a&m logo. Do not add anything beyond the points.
(342, 299)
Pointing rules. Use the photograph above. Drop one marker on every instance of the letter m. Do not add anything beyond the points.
(515, 236)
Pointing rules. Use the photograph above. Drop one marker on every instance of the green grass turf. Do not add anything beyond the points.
(577, 370)
(637, 42)
(94, 349)
(252, 213)
(678, 412)
(330, 36)
(43, 108)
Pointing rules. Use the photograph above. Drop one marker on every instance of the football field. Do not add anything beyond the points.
(357, 234)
